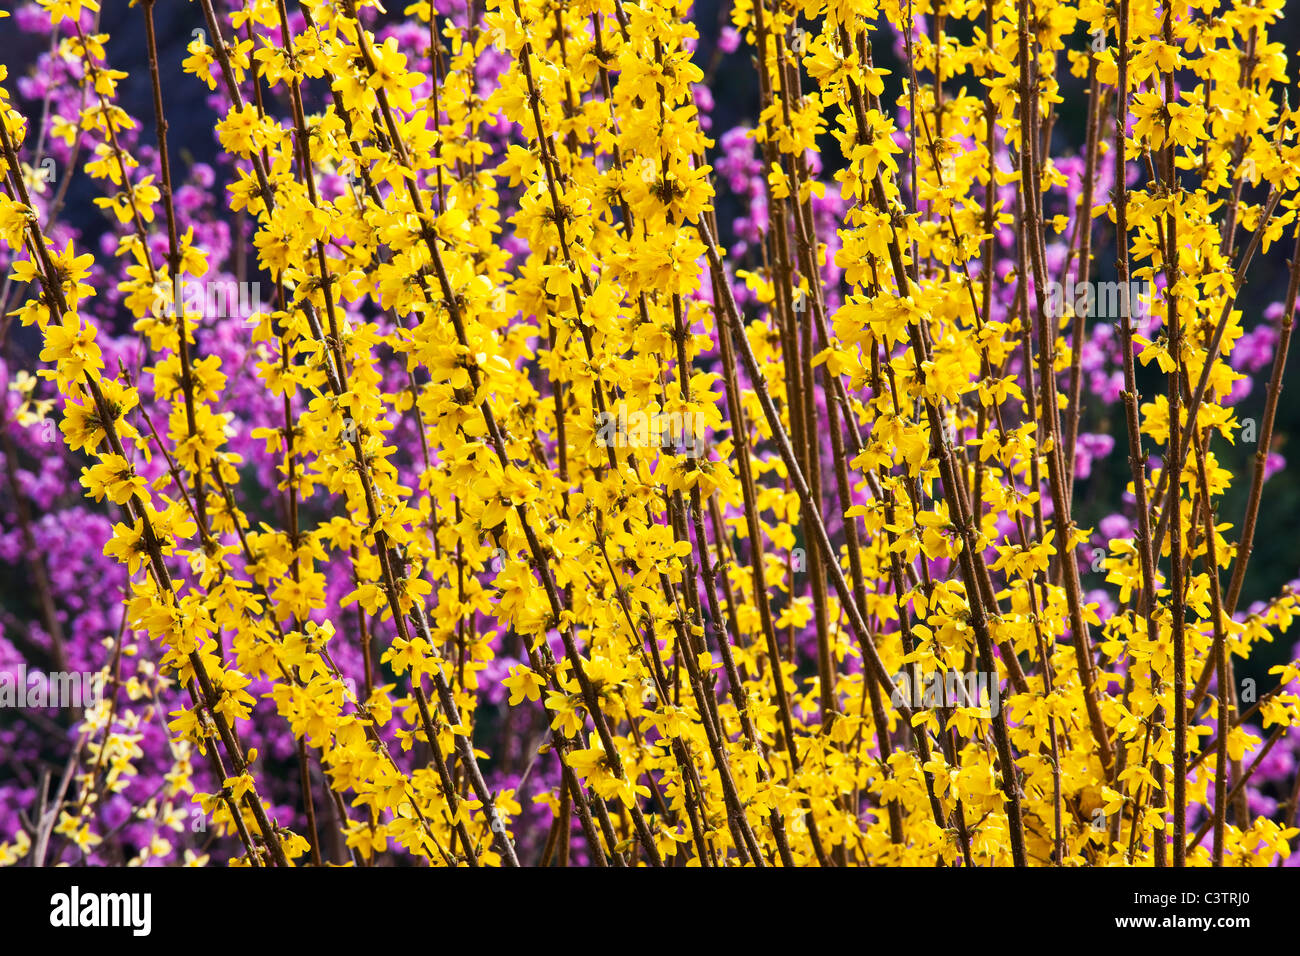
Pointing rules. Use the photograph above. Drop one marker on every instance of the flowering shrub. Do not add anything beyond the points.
(488, 460)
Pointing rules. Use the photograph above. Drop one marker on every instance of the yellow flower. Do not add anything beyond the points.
(523, 683)
(61, 10)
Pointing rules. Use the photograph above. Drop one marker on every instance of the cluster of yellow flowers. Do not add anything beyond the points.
(651, 588)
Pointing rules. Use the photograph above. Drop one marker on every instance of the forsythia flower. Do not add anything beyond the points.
(491, 438)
